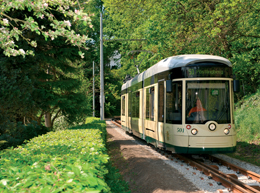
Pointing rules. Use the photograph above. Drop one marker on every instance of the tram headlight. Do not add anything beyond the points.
(212, 126)
(226, 131)
(194, 131)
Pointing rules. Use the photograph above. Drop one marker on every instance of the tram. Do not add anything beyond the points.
(184, 104)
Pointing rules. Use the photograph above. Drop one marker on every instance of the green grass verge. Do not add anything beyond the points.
(247, 119)
(73, 160)
(247, 152)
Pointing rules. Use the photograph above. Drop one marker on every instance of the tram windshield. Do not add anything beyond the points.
(207, 101)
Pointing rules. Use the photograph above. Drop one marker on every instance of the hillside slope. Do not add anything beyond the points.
(247, 119)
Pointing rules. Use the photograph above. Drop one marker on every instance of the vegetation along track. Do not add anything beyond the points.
(230, 181)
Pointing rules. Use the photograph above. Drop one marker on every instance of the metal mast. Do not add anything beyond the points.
(93, 89)
(102, 110)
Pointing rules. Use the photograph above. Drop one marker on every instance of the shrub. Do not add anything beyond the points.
(73, 160)
(94, 123)
(20, 133)
(58, 161)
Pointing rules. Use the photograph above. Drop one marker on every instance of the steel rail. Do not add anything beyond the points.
(235, 168)
(116, 123)
(226, 180)
(232, 178)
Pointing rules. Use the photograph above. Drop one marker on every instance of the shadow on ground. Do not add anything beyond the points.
(144, 172)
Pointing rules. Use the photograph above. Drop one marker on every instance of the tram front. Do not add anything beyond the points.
(209, 108)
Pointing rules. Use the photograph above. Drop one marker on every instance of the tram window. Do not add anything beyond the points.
(135, 104)
(208, 101)
(161, 101)
(130, 104)
(174, 104)
(123, 105)
(150, 103)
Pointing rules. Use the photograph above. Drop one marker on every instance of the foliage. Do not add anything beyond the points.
(115, 181)
(247, 152)
(93, 120)
(112, 84)
(64, 160)
(94, 123)
(226, 28)
(247, 119)
(16, 93)
(43, 10)
(70, 160)
(51, 83)
(19, 133)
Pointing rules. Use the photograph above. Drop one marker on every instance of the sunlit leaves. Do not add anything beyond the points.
(58, 161)
(226, 28)
(12, 28)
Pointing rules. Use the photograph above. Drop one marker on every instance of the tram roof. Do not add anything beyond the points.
(175, 62)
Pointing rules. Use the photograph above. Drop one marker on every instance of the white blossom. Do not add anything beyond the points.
(67, 23)
(21, 51)
(5, 21)
(4, 30)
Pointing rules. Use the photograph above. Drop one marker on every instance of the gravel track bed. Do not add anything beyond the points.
(199, 180)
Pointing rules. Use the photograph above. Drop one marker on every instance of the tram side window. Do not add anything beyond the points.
(123, 105)
(135, 103)
(150, 103)
(130, 104)
(174, 104)
(161, 101)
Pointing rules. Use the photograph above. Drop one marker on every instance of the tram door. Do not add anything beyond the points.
(129, 113)
(124, 111)
(160, 127)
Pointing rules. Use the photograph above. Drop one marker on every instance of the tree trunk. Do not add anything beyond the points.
(47, 117)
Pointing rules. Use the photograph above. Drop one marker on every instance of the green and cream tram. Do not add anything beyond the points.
(183, 104)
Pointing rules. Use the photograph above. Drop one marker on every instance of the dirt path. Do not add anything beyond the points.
(144, 172)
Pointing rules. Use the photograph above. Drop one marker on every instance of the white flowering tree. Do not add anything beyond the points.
(41, 74)
(13, 29)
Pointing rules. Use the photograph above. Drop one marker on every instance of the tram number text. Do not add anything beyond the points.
(180, 130)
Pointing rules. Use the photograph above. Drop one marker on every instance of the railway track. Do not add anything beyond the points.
(230, 181)
(117, 122)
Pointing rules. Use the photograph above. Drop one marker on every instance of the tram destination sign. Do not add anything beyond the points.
(203, 71)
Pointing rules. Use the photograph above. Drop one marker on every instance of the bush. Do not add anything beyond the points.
(94, 123)
(19, 133)
(73, 160)
(58, 161)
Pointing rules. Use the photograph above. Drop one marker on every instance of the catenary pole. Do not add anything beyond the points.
(93, 89)
(102, 114)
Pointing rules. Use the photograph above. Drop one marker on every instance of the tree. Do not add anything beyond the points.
(12, 28)
(226, 28)
(47, 82)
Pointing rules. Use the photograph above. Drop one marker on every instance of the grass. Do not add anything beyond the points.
(247, 119)
(247, 152)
